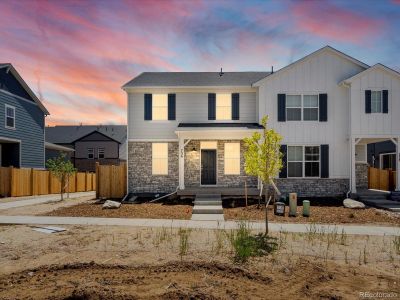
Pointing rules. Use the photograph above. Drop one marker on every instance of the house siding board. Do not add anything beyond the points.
(191, 107)
(30, 122)
(9, 83)
(375, 124)
(319, 74)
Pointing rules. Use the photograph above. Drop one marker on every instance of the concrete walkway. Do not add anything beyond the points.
(14, 202)
(348, 229)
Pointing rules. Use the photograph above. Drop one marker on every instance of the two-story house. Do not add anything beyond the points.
(22, 121)
(105, 144)
(186, 129)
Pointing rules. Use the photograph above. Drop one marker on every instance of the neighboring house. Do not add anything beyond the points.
(102, 143)
(54, 151)
(22, 122)
(186, 129)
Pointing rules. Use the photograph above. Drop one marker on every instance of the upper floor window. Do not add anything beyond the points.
(303, 161)
(302, 107)
(160, 107)
(223, 107)
(10, 116)
(100, 152)
(376, 101)
(90, 153)
(159, 155)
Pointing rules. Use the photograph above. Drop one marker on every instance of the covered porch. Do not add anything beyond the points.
(10, 152)
(201, 155)
(359, 166)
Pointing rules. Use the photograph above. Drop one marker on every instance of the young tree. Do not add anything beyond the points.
(264, 159)
(62, 168)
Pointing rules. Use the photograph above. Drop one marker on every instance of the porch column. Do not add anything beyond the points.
(397, 165)
(353, 164)
(181, 163)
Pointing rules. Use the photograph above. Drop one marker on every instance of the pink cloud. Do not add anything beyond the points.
(331, 22)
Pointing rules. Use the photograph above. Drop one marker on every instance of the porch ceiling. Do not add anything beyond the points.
(365, 141)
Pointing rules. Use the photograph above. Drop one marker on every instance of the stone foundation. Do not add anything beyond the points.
(140, 178)
(362, 176)
(314, 187)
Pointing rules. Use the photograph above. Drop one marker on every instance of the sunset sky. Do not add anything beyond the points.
(76, 55)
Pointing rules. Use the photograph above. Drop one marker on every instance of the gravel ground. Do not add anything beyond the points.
(319, 214)
(144, 210)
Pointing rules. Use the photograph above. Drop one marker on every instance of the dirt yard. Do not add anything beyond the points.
(98, 262)
(319, 214)
(144, 210)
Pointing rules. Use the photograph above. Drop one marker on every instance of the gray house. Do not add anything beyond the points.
(22, 122)
(91, 143)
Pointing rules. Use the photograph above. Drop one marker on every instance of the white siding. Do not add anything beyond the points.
(319, 73)
(375, 124)
(191, 107)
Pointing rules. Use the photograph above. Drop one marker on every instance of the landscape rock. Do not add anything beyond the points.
(111, 204)
(350, 203)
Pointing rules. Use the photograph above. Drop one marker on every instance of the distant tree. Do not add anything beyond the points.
(62, 168)
(264, 159)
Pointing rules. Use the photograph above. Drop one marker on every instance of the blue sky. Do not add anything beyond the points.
(77, 54)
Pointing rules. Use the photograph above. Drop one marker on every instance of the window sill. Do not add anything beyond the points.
(11, 128)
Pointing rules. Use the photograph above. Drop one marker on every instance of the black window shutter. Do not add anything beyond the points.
(281, 107)
(368, 101)
(324, 161)
(323, 107)
(148, 106)
(211, 106)
(385, 101)
(283, 172)
(235, 106)
(171, 107)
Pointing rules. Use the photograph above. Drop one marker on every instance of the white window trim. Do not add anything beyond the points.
(377, 112)
(152, 170)
(302, 107)
(88, 153)
(152, 109)
(233, 174)
(5, 116)
(216, 106)
(304, 161)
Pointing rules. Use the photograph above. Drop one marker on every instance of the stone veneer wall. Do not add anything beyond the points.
(140, 178)
(314, 187)
(362, 175)
(192, 166)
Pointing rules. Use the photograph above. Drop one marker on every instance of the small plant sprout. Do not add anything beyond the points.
(183, 241)
(396, 244)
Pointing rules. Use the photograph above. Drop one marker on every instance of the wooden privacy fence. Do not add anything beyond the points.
(28, 182)
(111, 181)
(381, 179)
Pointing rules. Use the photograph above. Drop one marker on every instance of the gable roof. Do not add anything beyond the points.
(25, 86)
(96, 131)
(323, 49)
(69, 134)
(194, 79)
(374, 67)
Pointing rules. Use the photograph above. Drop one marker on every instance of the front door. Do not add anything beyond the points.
(208, 167)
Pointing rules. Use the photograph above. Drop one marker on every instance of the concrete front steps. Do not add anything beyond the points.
(208, 207)
(378, 199)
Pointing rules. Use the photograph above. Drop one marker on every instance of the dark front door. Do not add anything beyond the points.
(208, 167)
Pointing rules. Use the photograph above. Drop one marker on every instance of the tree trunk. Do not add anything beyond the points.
(62, 187)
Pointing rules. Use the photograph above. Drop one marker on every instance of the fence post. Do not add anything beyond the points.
(32, 182)
(11, 192)
(97, 179)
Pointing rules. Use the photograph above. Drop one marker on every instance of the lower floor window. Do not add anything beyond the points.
(101, 152)
(160, 158)
(303, 161)
(90, 153)
(232, 159)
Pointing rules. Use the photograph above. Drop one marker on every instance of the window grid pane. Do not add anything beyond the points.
(160, 107)
(293, 101)
(376, 101)
(160, 158)
(223, 106)
(232, 158)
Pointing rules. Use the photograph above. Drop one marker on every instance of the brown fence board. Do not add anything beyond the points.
(21, 182)
(40, 182)
(111, 181)
(5, 181)
(80, 182)
(380, 179)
